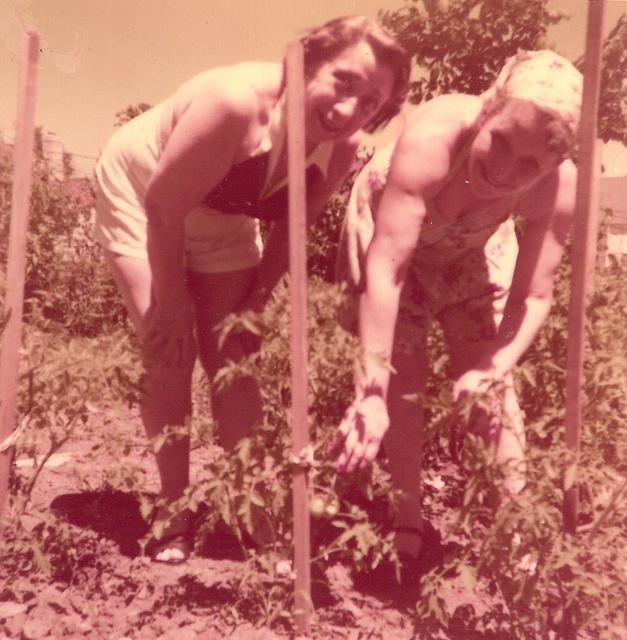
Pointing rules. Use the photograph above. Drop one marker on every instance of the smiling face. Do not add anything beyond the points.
(345, 93)
(512, 149)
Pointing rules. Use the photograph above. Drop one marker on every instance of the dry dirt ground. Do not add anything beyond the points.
(100, 587)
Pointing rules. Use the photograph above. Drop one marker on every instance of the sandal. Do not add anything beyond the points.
(171, 549)
(175, 547)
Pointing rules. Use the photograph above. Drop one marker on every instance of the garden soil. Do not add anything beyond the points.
(97, 585)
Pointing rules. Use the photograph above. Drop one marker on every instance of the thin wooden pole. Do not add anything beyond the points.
(16, 261)
(298, 344)
(584, 243)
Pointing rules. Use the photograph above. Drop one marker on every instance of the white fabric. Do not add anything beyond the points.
(545, 78)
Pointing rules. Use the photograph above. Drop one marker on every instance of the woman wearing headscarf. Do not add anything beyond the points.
(430, 234)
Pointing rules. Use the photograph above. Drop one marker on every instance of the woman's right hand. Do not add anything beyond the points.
(360, 434)
(168, 338)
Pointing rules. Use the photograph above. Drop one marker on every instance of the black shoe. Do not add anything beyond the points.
(431, 553)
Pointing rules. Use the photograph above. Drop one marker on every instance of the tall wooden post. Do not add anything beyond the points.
(298, 344)
(584, 243)
(16, 262)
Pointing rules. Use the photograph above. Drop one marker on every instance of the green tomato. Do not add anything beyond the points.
(332, 507)
(317, 506)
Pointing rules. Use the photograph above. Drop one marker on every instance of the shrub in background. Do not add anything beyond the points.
(66, 276)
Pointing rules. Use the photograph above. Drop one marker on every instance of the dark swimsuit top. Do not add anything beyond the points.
(240, 191)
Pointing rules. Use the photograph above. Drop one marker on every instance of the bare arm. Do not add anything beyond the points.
(199, 152)
(548, 213)
(420, 164)
(398, 225)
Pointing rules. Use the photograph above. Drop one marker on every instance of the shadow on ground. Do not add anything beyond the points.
(116, 515)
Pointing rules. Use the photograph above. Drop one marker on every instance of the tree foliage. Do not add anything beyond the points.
(613, 100)
(459, 47)
(67, 280)
(131, 111)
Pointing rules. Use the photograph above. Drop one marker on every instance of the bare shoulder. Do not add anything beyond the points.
(429, 141)
(443, 116)
(235, 90)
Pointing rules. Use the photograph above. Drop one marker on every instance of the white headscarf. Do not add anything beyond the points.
(543, 77)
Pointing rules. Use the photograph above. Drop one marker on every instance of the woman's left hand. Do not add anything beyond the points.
(476, 406)
(475, 382)
(168, 339)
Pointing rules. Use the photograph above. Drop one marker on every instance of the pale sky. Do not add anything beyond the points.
(98, 56)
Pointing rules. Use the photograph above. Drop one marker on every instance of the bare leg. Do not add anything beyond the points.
(237, 408)
(510, 449)
(166, 392)
(403, 441)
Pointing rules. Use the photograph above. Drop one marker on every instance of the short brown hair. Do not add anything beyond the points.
(324, 43)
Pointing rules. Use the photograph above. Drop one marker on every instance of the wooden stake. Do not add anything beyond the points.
(298, 298)
(583, 244)
(16, 262)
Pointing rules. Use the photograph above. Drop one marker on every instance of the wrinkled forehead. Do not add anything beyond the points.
(521, 114)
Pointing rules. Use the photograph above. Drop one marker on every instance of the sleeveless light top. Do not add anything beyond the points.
(129, 160)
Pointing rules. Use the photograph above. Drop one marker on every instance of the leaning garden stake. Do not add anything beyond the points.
(583, 246)
(16, 262)
(298, 338)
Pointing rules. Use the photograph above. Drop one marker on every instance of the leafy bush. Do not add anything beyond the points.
(462, 48)
(65, 381)
(66, 276)
(249, 490)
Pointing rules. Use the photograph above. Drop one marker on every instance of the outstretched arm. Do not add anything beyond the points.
(547, 212)
(420, 164)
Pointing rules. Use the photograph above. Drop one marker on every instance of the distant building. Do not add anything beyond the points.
(613, 195)
(52, 149)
